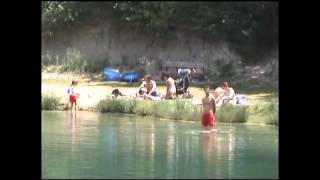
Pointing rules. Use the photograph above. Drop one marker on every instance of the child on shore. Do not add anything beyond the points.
(209, 109)
(73, 95)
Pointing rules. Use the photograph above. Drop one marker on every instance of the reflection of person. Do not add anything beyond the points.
(209, 145)
(209, 109)
(73, 127)
(73, 95)
(171, 88)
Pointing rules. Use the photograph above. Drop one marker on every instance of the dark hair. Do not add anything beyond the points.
(148, 77)
(141, 92)
(225, 84)
(165, 74)
(74, 82)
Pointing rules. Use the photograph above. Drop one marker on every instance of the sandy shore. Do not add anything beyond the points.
(92, 92)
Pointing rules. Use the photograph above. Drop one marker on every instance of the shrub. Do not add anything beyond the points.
(144, 108)
(116, 105)
(49, 102)
(272, 114)
(232, 114)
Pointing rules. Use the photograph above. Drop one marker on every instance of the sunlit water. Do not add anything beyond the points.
(95, 145)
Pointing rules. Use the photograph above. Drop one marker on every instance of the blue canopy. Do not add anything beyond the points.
(112, 74)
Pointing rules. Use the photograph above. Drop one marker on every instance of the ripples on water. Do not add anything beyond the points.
(94, 145)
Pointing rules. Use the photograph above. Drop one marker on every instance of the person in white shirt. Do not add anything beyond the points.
(229, 96)
(225, 95)
(73, 95)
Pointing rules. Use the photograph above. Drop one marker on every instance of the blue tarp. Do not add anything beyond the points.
(111, 74)
(131, 76)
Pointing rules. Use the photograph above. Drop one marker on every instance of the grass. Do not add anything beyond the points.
(144, 108)
(185, 110)
(49, 102)
(232, 114)
(170, 109)
(265, 112)
(116, 106)
(263, 106)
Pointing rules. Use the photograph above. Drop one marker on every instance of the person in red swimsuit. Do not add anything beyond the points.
(73, 95)
(209, 109)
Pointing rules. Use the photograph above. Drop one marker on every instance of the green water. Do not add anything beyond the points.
(95, 145)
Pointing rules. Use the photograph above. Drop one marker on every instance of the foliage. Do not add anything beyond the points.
(251, 28)
(74, 61)
(116, 105)
(49, 102)
(232, 114)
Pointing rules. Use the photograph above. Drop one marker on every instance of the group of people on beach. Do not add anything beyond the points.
(148, 90)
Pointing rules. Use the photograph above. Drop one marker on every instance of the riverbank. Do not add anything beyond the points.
(93, 91)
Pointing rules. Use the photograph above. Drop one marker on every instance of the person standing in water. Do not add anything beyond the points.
(209, 110)
(73, 95)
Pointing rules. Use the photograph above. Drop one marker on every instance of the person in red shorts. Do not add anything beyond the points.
(209, 109)
(73, 95)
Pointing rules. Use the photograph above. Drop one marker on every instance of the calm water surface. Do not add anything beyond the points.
(95, 145)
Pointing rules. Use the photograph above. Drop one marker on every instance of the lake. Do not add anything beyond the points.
(95, 145)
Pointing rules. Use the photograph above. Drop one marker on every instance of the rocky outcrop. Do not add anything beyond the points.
(99, 40)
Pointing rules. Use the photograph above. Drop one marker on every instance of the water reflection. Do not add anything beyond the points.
(222, 152)
(73, 121)
(114, 146)
(171, 151)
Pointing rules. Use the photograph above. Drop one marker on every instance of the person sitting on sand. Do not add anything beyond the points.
(73, 95)
(115, 93)
(217, 94)
(150, 85)
(209, 110)
(228, 96)
(171, 88)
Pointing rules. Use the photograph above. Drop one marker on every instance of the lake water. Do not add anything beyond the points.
(95, 145)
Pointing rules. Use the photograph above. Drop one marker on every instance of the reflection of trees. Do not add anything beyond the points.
(109, 148)
(171, 151)
(135, 145)
(145, 148)
(225, 154)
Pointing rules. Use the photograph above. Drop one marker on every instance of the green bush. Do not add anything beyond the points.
(144, 108)
(194, 114)
(272, 114)
(265, 112)
(49, 102)
(116, 105)
(163, 109)
(177, 109)
(232, 114)
(74, 61)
